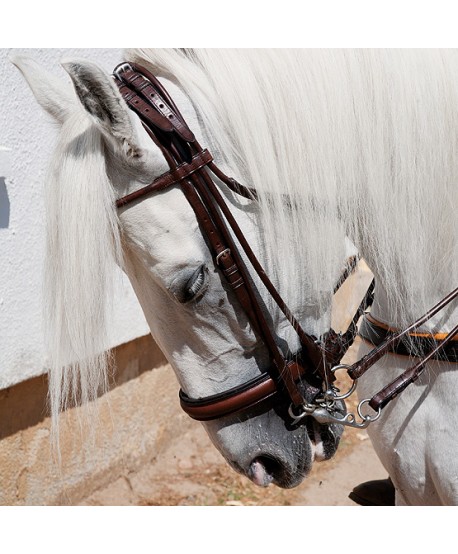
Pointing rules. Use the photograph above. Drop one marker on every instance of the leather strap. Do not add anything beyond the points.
(390, 391)
(392, 339)
(413, 344)
(146, 96)
(234, 400)
(171, 177)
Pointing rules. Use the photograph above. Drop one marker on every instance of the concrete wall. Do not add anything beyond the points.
(29, 135)
(136, 419)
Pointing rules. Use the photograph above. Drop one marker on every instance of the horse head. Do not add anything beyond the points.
(104, 153)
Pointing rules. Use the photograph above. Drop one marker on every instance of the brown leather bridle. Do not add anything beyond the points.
(305, 380)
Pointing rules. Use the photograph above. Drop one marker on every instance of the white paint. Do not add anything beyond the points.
(30, 136)
(5, 161)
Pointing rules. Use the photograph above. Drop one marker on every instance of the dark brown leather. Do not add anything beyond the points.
(164, 116)
(232, 401)
(410, 375)
(172, 177)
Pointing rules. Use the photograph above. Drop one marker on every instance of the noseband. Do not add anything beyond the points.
(305, 380)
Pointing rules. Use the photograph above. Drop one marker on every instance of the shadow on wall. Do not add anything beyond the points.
(4, 205)
(25, 404)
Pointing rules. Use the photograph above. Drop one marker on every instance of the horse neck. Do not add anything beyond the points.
(392, 308)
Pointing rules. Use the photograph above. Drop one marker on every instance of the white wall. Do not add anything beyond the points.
(30, 135)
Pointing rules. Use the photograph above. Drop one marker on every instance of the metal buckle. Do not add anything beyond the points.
(225, 251)
(122, 68)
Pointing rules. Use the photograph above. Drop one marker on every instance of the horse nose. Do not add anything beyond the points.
(264, 470)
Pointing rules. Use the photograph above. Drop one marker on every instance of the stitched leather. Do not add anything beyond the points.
(170, 118)
(232, 401)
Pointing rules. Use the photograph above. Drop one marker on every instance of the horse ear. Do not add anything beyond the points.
(101, 99)
(53, 95)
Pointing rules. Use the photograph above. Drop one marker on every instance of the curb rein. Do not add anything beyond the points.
(319, 359)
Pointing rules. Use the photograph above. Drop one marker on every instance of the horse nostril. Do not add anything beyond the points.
(263, 470)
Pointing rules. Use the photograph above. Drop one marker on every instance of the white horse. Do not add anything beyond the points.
(361, 143)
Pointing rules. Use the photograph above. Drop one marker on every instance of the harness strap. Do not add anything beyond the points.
(390, 391)
(167, 118)
(414, 344)
(393, 339)
(234, 400)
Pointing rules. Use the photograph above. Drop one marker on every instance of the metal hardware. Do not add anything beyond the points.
(225, 251)
(322, 411)
(353, 385)
(307, 409)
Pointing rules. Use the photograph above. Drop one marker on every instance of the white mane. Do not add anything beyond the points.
(82, 247)
(368, 134)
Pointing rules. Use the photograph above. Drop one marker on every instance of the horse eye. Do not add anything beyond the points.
(196, 285)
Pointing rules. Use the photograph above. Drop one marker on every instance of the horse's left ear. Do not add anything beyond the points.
(53, 95)
(101, 99)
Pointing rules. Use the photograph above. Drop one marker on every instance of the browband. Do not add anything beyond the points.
(169, 178)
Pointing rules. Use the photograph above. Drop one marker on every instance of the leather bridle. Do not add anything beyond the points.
(305, 380)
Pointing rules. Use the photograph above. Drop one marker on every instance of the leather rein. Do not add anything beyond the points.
(306, 379)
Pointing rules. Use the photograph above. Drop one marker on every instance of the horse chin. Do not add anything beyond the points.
(268, 451)
(325, 439)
